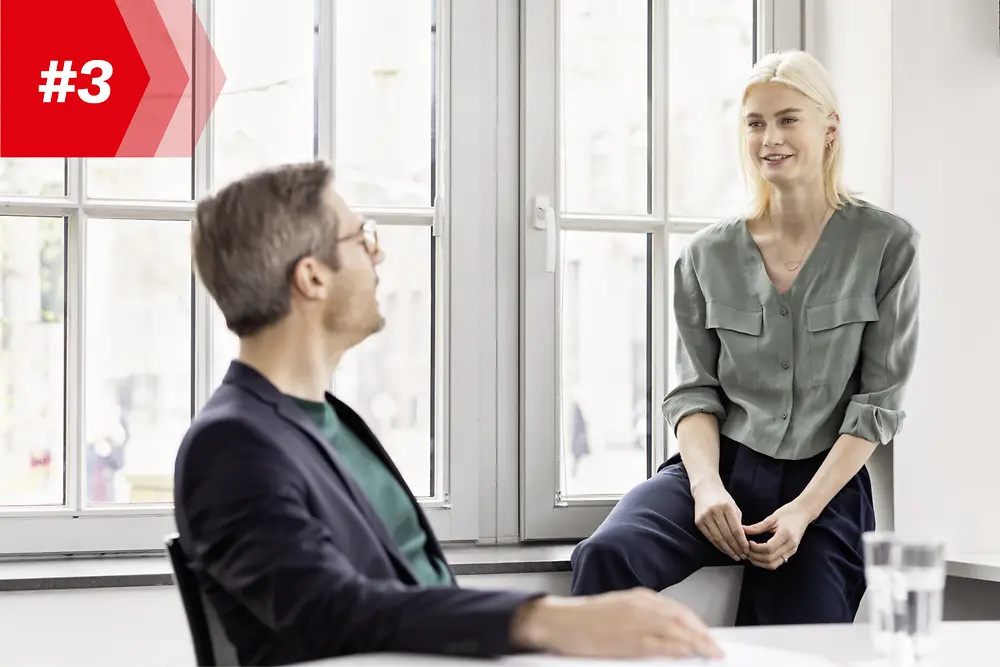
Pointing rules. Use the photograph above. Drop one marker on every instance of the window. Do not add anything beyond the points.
(630, 134)
(535, 169)
(108, 344)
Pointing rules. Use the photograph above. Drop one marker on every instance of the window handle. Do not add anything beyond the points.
(440, 216)
(545, 218)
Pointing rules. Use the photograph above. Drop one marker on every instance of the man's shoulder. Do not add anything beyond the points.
(231, 419)
(228, 406)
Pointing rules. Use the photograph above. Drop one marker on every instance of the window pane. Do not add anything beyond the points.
(32, 344)
(384, 97)
(604, 316)
(138, 357)
(159, 178)
(678, 242)
(703, 166)
(265, 114)
(388, 379)
(225, 346)
(605, 106)
(38, 177)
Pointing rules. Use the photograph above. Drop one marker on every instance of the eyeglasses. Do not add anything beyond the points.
(368, 232)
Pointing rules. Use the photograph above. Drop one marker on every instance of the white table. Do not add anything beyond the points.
(963, 644)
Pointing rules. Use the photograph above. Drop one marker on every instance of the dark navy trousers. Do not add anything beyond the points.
(650, 539)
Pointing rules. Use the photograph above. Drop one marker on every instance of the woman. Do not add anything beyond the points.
(797, 331)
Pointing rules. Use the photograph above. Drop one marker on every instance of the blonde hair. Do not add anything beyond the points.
(804, 74)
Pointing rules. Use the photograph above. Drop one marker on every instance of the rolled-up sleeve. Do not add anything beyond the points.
(697, 388)
(888, 348)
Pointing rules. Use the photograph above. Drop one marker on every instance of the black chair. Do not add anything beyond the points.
(211, 646)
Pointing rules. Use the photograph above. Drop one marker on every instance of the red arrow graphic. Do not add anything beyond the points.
(162, 80)
(192, 79)
(168, 77)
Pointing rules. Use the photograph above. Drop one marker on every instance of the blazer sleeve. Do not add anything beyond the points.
(888, 348)
(697, 388)
(250, 529)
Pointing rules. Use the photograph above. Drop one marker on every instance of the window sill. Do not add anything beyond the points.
(84, 573)
(981, 567)
(124, 572)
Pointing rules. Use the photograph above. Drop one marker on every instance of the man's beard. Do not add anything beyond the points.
(340, 319)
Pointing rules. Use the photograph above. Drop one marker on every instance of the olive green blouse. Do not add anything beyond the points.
(786, 375)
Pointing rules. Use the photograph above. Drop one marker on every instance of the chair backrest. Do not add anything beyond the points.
(211, 646)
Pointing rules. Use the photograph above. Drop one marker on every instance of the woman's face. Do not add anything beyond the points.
(786, 134)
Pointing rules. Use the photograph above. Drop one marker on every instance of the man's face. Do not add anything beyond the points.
(351, 308)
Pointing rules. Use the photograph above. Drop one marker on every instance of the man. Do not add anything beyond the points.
(304, 535)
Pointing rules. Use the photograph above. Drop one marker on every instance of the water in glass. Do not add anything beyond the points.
(918, 598)
(880, 583)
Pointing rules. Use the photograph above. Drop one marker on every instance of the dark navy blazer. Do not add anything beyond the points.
(293, 556)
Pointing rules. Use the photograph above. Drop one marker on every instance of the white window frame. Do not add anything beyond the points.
(466, 355)
(544, 515)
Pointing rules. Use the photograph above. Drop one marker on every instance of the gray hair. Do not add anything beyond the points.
(248, 237)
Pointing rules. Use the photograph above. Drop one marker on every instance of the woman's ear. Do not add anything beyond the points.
(833, 129)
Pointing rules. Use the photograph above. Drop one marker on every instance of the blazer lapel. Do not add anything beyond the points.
(358, 425)
(287, 410)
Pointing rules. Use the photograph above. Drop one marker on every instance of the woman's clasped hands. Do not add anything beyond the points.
(720, 520)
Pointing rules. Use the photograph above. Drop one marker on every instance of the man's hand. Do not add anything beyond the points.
(787, 526)
(719, 519)
(626, 624)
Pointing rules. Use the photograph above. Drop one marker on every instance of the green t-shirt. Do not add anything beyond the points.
(387, 496)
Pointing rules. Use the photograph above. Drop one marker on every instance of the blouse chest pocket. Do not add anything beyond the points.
(835, 331)
(739, 343)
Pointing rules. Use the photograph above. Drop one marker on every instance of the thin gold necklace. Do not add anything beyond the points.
(793, 266)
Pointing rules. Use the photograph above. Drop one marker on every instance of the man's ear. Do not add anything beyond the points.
(306, 279)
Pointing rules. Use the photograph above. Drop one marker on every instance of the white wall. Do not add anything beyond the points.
(946, 146)
(920, 88)
(124, 626)
(852, 38)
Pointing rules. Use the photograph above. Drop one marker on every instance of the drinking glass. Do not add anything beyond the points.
(880, 556)
(918, 596)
